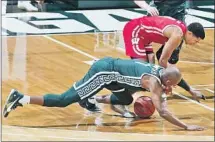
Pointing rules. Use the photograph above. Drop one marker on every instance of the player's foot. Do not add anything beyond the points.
(90, 104)
(129, 115)
(121, 109)
(12, 102)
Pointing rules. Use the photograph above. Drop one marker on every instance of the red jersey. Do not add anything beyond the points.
(139, 33)
(155, 25)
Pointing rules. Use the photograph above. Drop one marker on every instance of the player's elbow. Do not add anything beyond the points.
(163, 62)
(163, 113)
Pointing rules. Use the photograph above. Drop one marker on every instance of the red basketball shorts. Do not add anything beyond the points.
(135, 39)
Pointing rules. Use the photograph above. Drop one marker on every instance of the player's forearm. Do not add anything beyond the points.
(172, 119)
(183, 84)
(171, 44)
(163, 62)
(142, 4)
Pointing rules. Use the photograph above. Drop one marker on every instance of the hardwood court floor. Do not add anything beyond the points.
(37, 65)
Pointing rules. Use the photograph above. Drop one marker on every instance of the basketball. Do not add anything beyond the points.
(144, 107)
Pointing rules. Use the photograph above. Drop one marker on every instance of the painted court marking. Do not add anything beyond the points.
(90, 134)
(70, 47)
(195, 102)
(209, 90)
(95, 58)
(202, 85)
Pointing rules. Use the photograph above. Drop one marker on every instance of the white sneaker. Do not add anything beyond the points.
(121, 109)
(128, 115)
(26, 5)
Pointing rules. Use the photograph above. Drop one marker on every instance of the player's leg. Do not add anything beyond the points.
(16, 98)
(118, 100)
(88, 86)
(150, 53)
(115, 88)
(99, 75)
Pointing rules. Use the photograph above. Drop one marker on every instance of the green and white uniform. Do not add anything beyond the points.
(120, 76)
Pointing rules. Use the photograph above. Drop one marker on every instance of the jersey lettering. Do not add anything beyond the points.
(135, 40)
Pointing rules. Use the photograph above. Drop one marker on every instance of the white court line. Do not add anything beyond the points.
(192, 62)
(202, 85)
(56, 137)
(190, 100)
(209, 90)
(120, 49)
(90, 56)
(70, 47)
(97, 132)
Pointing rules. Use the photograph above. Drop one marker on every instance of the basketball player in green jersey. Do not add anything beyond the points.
(122, 78)
(175, 9)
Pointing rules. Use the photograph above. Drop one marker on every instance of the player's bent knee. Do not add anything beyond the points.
(173, 60)
(128, 101)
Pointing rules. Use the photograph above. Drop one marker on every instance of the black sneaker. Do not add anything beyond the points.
(89, 104)
(12, 102)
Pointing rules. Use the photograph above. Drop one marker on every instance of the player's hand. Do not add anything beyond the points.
(196, 95)
(194, 128)
(152, 11)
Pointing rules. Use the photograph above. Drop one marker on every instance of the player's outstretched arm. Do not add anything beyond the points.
(160, 103)
(144, 5)
(193, 92)
(196, 95)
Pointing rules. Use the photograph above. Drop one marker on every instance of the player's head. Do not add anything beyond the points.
(170, 76)
(195, 33)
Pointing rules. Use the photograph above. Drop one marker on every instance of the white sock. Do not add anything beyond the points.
(25, 100)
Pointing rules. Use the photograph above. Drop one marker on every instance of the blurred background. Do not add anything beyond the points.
(10, 6)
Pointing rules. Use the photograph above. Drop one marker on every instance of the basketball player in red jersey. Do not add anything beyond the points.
(141, 32)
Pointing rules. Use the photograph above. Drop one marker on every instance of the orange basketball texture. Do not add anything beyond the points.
(144, 107)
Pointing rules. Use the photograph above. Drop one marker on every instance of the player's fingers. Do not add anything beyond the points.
(196, 98)
(156, 12)
(201, 128)
(152, 13)
(203, 97)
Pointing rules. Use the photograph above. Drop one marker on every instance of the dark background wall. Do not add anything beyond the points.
(101, 4)
(61, 5)
(95, 4)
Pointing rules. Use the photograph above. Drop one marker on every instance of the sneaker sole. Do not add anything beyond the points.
(5, 112)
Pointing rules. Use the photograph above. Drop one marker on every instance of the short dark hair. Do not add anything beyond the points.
(197, 29)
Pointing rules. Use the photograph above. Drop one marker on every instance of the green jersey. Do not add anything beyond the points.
(172, 8)
(121, 77)
(116, 74)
